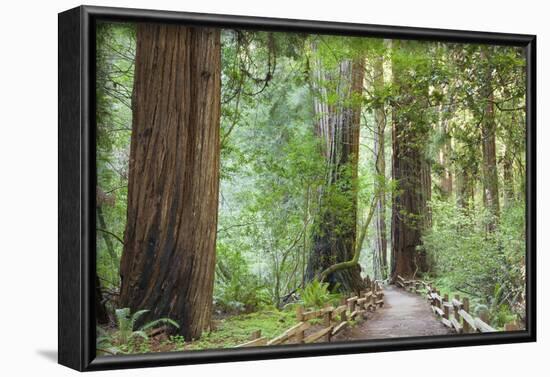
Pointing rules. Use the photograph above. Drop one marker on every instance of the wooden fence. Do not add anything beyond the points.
(453, 312)
(333, 319)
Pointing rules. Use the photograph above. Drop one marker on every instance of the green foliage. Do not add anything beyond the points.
(316, 295)
(229, 332)
(237, 289)
(236, 330)
(104, 342)
(272, 172)
(114, 84)
(178, 341)
(270, 169)
(487, 266)
(126, 338)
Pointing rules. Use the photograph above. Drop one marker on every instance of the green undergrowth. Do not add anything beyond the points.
(236, 330)
(226, 333)
(498, 315)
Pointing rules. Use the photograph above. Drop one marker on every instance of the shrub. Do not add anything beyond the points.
(487, 266)
(236, 289)
(316, 295)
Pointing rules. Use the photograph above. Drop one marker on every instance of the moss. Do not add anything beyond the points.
(237, 330)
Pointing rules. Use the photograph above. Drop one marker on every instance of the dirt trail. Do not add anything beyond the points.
(404, 314)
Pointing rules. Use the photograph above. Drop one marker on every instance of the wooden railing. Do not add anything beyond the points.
(333, 319)
(453, 313)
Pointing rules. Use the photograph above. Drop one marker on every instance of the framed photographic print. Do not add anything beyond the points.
(239, 188)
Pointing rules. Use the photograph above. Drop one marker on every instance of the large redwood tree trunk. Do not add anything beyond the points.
(168, 260)
(410, 168)
(381, 242)
(338, 130)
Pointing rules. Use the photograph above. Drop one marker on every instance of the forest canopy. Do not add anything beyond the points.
(320, 162)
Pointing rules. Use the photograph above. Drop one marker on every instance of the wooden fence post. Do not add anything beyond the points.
(256, 334)
(456, 309)
(299, 318)
(466, 307)
(326, 323)
(351, 306)
(484, 316)
(373, 296)
(511, 326)
(445, 307)
(343, 316)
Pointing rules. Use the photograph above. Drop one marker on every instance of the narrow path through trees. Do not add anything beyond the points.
(403, 314)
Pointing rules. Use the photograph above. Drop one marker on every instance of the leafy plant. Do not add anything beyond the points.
(126, 332)
(316, 294)
(487, 266)
(104, 343)
(236, 290)
(178, 341)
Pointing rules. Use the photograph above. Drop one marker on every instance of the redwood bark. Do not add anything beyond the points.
(411, 172)
(381, 241)
(338, 130)
(168, 260)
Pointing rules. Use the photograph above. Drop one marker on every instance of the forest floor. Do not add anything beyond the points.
(404, 314)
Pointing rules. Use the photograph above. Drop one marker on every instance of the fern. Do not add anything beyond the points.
(315, 294)
(136, 316)
(141, 334)
(104, 343)
(157, 322)
(126, 322)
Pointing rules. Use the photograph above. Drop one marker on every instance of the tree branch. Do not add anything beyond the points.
(111, 234)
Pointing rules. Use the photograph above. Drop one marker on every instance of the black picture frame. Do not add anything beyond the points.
(77, 180)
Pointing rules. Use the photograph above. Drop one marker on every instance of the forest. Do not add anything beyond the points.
(240, 173)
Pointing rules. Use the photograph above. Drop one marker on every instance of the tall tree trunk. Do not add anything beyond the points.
(100, 310)
(446, 180)
(305, 221)
(107, 237)
(508, 164)
(508, 181)
(410, 170)
(464, 188)
(168, 260)
(488, 146)
(334, 229)
(381, 242)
